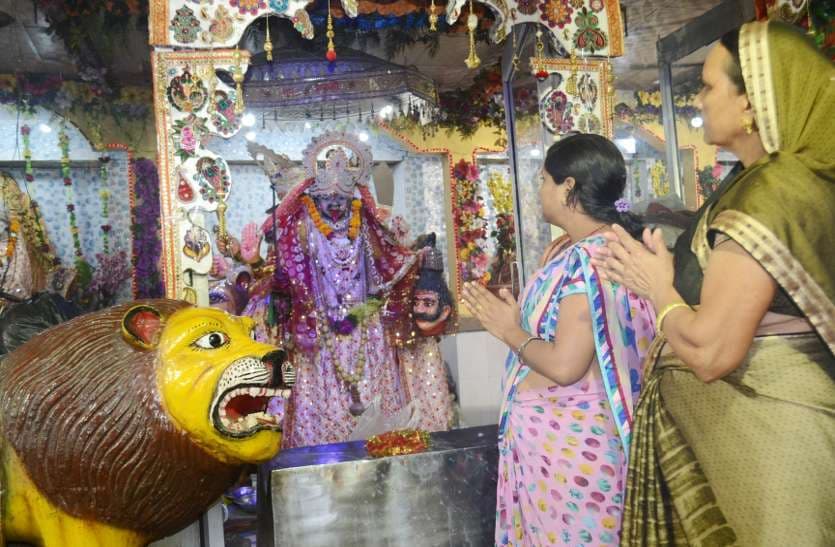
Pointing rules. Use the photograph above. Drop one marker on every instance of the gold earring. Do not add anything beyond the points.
(748, 125)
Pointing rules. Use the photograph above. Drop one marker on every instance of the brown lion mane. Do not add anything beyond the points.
(81, 409)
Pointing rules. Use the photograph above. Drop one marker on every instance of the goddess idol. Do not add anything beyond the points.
(342, 290)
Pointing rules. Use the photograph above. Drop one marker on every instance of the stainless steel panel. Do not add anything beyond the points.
(334, 495)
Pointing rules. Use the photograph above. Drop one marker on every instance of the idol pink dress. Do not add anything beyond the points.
(563, 449)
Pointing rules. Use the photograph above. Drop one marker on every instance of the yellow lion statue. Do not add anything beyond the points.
(122, 426)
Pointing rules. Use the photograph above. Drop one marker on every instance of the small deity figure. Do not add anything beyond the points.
(340, 296)
(21, 273)
(421, 359)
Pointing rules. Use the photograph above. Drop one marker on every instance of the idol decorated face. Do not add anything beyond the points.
(333, 207)
(428, 312)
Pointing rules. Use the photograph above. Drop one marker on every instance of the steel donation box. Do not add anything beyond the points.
(336, 495)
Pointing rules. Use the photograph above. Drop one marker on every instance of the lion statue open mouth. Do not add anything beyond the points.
(122, 426)
(245, 403)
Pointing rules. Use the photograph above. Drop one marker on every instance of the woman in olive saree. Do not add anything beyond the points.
(734, 440)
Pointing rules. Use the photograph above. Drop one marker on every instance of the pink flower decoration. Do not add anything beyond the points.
(717, 171)
(187, 140)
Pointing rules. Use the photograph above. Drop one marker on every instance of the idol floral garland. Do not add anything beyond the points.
(324, 228)
(147, 243)
(84, 272)
(470, 224)
(12, 231)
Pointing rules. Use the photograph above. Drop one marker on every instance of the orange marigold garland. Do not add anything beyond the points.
(324, 228)
(11, 240)
(356, 220)
(397, 443)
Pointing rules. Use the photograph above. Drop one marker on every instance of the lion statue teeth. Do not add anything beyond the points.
(123, 426)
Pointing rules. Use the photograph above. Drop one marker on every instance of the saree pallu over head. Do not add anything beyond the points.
(740, 460)
(781, 209)
(623, 327)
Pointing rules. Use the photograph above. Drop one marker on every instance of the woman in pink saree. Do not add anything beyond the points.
(574, 370)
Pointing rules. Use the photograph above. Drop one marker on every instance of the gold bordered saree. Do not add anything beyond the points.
(750, 459)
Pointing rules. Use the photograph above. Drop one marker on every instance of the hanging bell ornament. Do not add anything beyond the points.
(472, 61)
(238, 77)
(331, 54)
(433, 17)
(268, 44)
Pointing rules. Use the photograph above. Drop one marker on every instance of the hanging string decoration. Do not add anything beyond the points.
(84, 271)
(29, 174)
(104, 194)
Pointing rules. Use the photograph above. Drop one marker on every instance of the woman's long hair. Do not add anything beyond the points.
(599, 174)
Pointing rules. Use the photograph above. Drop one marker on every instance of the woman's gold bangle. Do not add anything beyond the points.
(659, 320)
(524, 345)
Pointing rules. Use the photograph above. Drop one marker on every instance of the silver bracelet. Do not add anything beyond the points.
(524, 345)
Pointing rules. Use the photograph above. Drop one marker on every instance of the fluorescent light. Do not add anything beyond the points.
(248, 120)
(250, 135)
(697, 121)
(363, 136)
(45, 128)
(536, 152)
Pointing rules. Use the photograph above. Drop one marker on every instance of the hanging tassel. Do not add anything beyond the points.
(515, 60)
(539, 71)
(211, 80)
(331, 54)
(268, 44)
(433, 17)
(238, 77)
(472, 61)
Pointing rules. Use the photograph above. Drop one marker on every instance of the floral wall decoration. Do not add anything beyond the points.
(503, 232)
(129, 107)
(576, 95)
(816, 16)
(647, 107)
(470, 220)
(220, 24)
(147, 244)
(708, 179)
(592, 27)
(192, 105)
